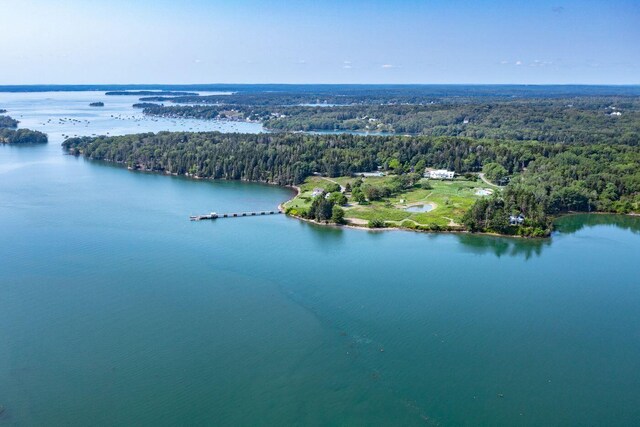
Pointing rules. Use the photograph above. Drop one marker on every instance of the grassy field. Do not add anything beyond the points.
(449, 201)
(303, 200)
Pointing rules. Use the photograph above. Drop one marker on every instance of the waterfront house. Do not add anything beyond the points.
(439, 174)
(317, 192)
(516, 220)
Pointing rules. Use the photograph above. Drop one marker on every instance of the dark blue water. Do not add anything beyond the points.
(117, 310)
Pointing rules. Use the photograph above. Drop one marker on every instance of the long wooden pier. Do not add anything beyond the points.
(214, 215)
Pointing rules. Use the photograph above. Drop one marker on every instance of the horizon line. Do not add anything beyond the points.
(316, 84)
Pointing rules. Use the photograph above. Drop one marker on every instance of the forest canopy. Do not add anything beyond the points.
(546, 179)
(8, 122)
(9, 135)
(22, 136)
(614, 120)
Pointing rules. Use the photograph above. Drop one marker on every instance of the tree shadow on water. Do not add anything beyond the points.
(503, 246)
(570, 224)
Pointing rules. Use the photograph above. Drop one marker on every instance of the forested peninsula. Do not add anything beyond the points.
(7, 122)
(10, 135)
(149, 93)
(544, 179)
(564, 120)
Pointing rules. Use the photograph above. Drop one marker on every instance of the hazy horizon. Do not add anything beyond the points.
(356, 42)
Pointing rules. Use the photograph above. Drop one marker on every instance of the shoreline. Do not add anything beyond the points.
(452, 231)
(350, 226)
(413, 230)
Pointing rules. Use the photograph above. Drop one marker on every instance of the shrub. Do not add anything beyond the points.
(376, 223)
(332, 188)
(338, 198)
(337, 215)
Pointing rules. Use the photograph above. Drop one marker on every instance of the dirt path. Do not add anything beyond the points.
(342, 189)
(452, 223)
(486, 181)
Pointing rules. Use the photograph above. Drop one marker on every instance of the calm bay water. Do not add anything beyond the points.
(117, 310)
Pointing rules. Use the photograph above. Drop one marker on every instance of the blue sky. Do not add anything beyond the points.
(243, 41)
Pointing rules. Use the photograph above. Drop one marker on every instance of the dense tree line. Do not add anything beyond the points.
(551, 121)
(22, 136)
(583, 178)
(547, 179)
(149, 93)
(8, 122)
(290, 95)
(206, 112)
(10, 135)
(613, 120)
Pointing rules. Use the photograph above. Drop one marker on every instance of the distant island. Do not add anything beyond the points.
(96, 104)
(7, 122)
(149, 93)
(386, 181)
(144, 105)
(10, 135)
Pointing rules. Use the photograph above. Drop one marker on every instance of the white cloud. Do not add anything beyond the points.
(197, 61)
(539, 63)
(347, 66)
(388, 66)
(518, 62)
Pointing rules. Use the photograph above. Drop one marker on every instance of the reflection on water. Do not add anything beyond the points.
(503, 246)
(574, 223)
(482, 244)
(513, 246)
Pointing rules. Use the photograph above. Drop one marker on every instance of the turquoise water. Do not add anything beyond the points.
(115, 309)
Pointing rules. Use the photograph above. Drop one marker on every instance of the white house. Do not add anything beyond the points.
(439, 174)
(317, 192)
(368, 174)
(516, 220)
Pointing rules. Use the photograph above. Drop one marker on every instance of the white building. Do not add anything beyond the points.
(516, 220)
(369, 174)
(439, 174)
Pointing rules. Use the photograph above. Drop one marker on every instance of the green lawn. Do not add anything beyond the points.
(303, 200)
(450, 200)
